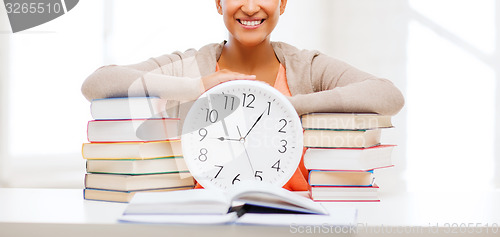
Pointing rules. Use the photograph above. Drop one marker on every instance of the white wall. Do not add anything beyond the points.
(4, 83)
(44, 122)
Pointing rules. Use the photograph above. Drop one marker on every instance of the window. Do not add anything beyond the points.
(452, 83)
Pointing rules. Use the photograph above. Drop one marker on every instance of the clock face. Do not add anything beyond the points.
(242, 130)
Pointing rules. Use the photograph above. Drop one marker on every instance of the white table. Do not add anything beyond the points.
(63, 212)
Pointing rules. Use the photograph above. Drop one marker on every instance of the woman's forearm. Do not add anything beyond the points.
(122, 81)
(369, 96)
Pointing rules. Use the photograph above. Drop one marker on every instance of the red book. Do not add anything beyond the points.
(345, 193)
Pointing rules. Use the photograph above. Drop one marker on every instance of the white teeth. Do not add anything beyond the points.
(250, 23)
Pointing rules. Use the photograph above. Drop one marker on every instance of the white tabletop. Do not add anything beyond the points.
(25, 212)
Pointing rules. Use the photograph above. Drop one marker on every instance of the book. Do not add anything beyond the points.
(341, 216)
(136, 167)
(345, 194)
(121, 196)
(342, 138)
(128, 108)
(340, 178)
(212, 201)
(122, 182)
(247, 204)
(132, 150)
(133, 130)
(351, 121)
(348, 159)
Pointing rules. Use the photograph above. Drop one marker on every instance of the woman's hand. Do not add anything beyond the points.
(223, 76)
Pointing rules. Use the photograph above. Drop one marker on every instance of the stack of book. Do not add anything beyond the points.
(343, 150)
(134, 147)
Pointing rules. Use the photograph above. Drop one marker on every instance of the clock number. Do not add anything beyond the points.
(249, 104)
(236, 179)
(232, 102)
(212, 116)
(284, 125)
(203, 133)
(257, 174)
(268, 108)
(203, 155)
(219, 166)
(284, 146)
(276, 166)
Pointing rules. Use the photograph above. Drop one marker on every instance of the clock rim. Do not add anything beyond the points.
(264, 86)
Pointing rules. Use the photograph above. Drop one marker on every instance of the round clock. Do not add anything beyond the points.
(242, 130)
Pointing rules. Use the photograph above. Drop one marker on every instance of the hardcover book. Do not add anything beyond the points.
(353, 159)
(133, 130)
(122, 182)
(120, 196)
(345, 194)
(128, 108)
(136, 167)
(246, 204)
(342, 138)
(132, 150)
(340, 178)
(351, 121)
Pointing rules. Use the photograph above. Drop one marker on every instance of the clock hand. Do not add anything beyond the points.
(227, 139)
(258, 119)
(227, 134)
(225, 131)
(239, 132)
(248, 157)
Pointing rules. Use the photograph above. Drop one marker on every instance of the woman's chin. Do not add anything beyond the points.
(252, 41)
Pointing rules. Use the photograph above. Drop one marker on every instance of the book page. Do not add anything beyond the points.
(267, 195)
(337, 216)
(194, 201)
(181, 219)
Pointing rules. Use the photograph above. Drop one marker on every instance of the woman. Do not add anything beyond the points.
(313, 81)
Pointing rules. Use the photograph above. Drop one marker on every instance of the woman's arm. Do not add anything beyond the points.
(339, 87)
(150, 78)
(123, 81)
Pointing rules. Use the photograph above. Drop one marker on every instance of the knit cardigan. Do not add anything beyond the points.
(317, 82)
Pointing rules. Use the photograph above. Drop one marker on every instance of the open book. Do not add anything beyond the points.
(249, 204)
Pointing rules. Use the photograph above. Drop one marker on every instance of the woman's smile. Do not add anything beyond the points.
(250, 23)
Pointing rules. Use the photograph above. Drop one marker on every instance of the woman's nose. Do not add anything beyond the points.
(250, 7)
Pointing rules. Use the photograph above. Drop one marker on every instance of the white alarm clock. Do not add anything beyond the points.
(242, 130)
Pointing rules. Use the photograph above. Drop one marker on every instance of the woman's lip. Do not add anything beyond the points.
(250, 23)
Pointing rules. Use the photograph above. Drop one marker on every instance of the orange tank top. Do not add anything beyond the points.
(298, 182)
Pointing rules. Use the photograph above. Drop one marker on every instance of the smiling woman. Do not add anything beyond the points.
(252, 22)
(248, 48)
(312, 81)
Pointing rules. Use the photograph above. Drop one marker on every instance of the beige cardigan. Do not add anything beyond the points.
(318, 83)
